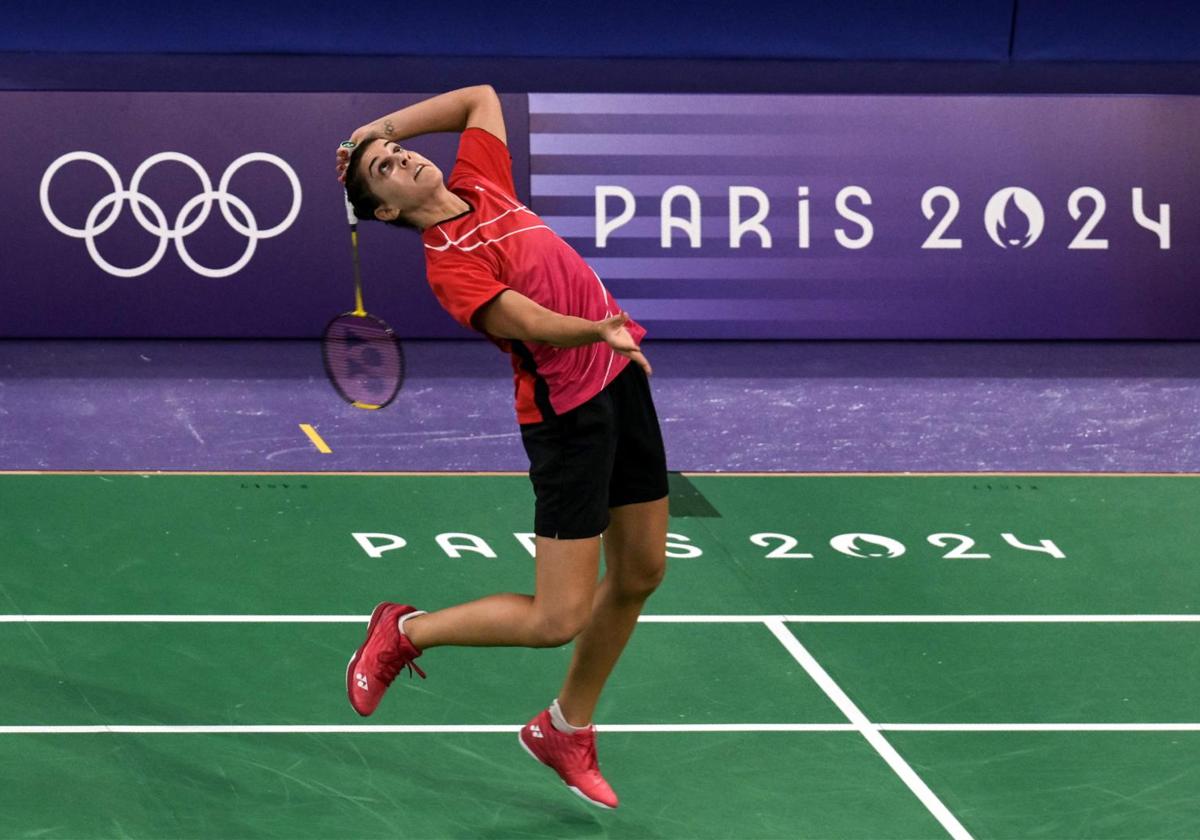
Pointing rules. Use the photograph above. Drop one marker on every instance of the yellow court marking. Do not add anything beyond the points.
(321, 445)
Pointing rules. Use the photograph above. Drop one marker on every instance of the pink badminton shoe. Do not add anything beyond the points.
(375, 664)
(572, 757)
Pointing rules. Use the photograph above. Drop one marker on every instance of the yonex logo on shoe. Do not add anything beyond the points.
(361, 679)
(536, 731)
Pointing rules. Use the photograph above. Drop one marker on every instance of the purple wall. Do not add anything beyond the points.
(893, 147)
(292, 282)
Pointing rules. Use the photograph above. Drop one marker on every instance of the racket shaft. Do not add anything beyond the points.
(358, 298)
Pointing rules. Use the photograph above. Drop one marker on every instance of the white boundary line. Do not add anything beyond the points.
(894, 760)
(649, 619)
(270, 729)
(672, 728)
(1039, 727)
(184, 619)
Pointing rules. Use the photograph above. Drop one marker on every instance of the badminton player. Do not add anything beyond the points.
(583, 403)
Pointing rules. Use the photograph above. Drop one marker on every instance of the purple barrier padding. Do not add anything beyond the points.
(1011, 262)
(169, 276)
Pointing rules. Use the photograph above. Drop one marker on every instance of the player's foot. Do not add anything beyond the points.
(572, 757)
(376, 663)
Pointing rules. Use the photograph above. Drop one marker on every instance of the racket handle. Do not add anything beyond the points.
(350, 217)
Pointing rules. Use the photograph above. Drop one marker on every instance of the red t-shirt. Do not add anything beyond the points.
(501, 244)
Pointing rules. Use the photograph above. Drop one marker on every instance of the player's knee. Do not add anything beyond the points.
(561, 626)
(639, 583)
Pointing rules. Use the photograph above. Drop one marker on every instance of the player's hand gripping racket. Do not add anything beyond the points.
(362, 355)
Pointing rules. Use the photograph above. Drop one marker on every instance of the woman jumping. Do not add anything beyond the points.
(583, 403)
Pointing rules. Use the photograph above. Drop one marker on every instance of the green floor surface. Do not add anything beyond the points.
(159, 674)
(449, 786)
(234, 544)
(1063, 785)
(1014, 673)
(127, 544)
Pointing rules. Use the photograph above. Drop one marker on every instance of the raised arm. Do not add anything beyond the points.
(512, 315)
(457, 110)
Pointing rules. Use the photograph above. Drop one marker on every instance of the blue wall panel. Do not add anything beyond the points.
(857, 30)
(981, 30)
(854, 29)
(1084, 30)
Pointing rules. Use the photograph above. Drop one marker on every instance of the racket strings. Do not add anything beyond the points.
(363, 359)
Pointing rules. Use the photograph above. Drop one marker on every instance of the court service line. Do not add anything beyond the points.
(126, 618)
(1079, 618)
(272, 729)
(420, 729)
(886, 751)
(1039, 727)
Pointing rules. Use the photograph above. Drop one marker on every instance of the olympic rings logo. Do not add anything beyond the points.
(247, 225)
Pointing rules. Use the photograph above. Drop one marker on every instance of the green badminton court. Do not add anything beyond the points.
(851, 656)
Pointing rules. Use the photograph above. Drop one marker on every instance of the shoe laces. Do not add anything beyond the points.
(391, 663)
(589, 750)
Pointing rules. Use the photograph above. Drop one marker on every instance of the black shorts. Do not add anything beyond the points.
(603, 454)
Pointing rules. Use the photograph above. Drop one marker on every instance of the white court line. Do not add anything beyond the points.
(894, 760)
(1032, 618)
(266, 729)
(992, 619)
(1038, 727)
(424, 729)
(648, 619)
(184, 619)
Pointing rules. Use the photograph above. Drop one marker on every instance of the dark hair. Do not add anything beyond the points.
(359, 192)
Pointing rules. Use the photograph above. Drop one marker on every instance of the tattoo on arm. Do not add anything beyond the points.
(387, 127)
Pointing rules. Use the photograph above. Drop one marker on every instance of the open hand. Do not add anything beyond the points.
(613, 331)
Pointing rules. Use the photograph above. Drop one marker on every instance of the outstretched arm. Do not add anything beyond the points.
(458, 110)
(512, 315)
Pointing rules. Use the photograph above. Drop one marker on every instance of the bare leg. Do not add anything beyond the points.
(635, 559)
(555, 614)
